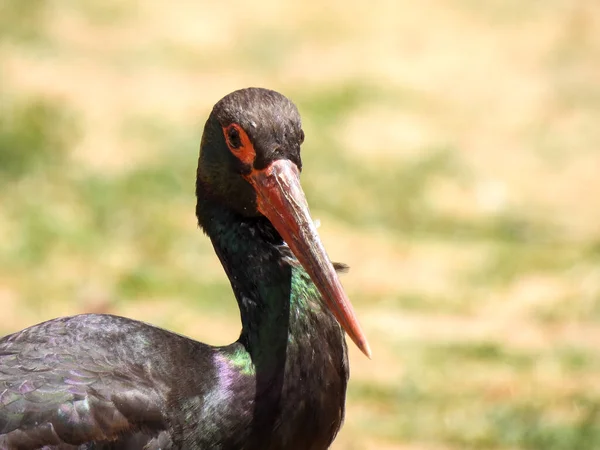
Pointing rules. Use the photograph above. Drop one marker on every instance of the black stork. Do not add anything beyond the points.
(106, 382)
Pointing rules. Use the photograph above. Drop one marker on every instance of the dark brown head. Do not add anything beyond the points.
(246, 131)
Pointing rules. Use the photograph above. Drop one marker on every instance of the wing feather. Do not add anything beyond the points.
(73, 381)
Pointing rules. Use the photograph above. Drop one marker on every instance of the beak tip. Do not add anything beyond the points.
(362, 344)
(366, 349)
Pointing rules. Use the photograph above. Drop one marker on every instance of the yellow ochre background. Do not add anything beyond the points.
(452, 156)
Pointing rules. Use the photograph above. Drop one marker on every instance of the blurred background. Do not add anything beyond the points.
(452, 156)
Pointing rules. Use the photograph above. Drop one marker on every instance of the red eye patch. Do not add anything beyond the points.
(239, 143)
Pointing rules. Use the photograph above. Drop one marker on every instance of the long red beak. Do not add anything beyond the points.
(281, 199)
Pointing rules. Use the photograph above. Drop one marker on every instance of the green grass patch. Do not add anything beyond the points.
(508, 261)
(532, 427)
(461, 303)
(439, 400)
(23, 21)
(328, 107)
(35, 134)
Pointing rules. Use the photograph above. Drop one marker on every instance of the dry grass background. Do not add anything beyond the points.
(452, 155)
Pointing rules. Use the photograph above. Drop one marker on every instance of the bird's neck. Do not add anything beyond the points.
(281, 309)
(291, 347)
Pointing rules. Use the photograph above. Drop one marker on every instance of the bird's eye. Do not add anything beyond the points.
(239, 143)
(233, 136)
(301, 136)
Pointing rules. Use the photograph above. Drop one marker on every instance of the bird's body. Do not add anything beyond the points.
(107, 382)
